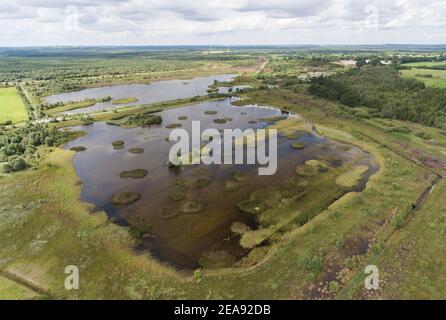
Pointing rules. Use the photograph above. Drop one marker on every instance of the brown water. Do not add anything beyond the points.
(155, 92)
(183, 239)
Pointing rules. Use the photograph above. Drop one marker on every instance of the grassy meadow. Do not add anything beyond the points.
(431, 77)
(11, 106)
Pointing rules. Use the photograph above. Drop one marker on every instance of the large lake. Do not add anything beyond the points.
(185, 238)
(155, 92)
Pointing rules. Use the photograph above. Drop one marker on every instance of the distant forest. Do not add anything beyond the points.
(381, 89)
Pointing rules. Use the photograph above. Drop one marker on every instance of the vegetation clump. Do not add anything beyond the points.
(297, 145)
(239, 177)
(124, 101)
(177, 195)
(192, 207)
(125, 198)
(19, 147)
(174, 125)
(119, 144)
(135, 174)
(216, 259)
(144, 119)
(232, 186)
(182, 118)
(78, 149)
(351, 177)
(239, 228)
(136, 150)
(307, 170)
(202, 183)
(169, 213)
(260, 200)
(222, 120)
(210, 112)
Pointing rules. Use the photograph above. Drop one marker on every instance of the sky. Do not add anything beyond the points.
(221, 22)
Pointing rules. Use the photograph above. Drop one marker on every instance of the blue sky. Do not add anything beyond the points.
(220, 22)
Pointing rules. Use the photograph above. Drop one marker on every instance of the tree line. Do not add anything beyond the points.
(381, 89)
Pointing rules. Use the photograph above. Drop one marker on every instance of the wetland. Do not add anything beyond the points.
(212, 215)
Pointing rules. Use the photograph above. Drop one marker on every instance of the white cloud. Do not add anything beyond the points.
(146, 22)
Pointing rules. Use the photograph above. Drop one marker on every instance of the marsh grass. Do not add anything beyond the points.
(239, 177)
(124, 101)
(352, 177)
(125, 198)
(135, 174)
(216, 259)
(118, 143)
(297, 145)
(78, 149)
(136, 150)
(174, 125)
(232, 186)
(202, 183)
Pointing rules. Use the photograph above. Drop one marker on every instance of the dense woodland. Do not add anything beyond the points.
(388, 95)
(19, 148)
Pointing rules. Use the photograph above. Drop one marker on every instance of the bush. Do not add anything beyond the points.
(311, 263)
(49, 141)
(423, 135)
(18, 164)
(333, 287)
(198, 275)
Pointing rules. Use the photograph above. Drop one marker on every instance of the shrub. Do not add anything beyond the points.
(198, 275)
(18, 164)
(423, 135)
(333, 287)
(49, 141)
(311, 263)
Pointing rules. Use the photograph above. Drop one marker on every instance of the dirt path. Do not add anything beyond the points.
(26, 94)
(25, 283)
(262, 66)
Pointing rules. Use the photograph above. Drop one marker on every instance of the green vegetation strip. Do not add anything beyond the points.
(12, 109)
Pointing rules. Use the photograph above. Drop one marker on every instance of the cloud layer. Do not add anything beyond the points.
(225, 22)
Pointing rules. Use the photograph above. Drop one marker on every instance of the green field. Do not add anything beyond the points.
(11, 106)
(438, 79)
(425, 64)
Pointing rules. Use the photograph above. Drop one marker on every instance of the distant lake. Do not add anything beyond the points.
(155, 92)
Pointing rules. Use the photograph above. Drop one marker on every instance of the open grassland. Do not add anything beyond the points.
(11, 106)
(426, 64)
(431, 77)
(44, 227)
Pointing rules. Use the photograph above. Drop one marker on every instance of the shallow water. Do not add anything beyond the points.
(183, 240)
(155, 92)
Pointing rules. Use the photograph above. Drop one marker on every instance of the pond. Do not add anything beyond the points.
(155, 92)
(183, 240)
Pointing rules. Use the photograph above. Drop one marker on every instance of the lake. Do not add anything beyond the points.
(184, 239)
(155, 92)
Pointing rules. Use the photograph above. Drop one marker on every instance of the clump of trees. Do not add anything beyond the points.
(18, 148)
(381, 89)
